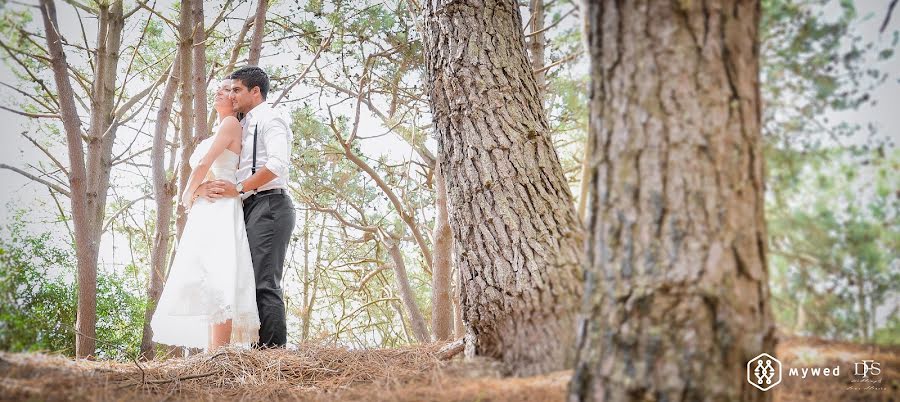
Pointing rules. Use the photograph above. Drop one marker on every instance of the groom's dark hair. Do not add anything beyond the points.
(252, 76)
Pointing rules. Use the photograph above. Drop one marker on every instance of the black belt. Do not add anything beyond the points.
(266, 192)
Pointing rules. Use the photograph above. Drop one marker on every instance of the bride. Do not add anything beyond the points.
(209, 298)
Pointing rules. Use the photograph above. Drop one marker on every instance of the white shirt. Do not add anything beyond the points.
(273, 146)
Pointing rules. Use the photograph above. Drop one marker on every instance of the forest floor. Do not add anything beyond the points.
(323, 372)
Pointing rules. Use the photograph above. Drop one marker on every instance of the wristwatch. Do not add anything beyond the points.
(239, 187)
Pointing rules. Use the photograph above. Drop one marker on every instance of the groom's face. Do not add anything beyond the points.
(243, 98)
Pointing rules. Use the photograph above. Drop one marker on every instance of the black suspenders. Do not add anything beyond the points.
(253, 166)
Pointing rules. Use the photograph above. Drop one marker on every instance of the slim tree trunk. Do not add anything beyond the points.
(84, 254)
(88, 191)
(420, 330)
(517, 241)
(186, 39)
(201, 130)
(259, 29)
(163, 192)
(676, 299)
(441, 308)
(459, 328)
(536, 43)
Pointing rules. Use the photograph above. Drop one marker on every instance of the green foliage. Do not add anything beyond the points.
(38, 298)
(831, 209)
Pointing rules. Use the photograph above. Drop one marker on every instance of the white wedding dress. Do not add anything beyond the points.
(211, 279)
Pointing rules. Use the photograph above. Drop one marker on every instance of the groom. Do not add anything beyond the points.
(262, 185)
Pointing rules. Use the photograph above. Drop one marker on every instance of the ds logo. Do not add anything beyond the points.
(865, 367)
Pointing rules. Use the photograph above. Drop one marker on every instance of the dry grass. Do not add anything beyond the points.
(326, 372)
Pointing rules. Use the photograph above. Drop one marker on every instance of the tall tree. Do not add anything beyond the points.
(186, 113)
(88, 192)
(518, 244)
(163, 192)
(676, 299)
(259, 29)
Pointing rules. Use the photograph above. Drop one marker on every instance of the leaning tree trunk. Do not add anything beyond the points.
(517, 242)
(259, 29)
(441, 307)
(676, 297)
(420, 330)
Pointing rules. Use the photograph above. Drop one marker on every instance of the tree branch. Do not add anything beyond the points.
(53, 186)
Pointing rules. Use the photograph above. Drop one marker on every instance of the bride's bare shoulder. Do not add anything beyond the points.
(230, 125)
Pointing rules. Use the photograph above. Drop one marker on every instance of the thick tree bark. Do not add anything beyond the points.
(259, 29)
(420, 330)
(163, 192)
(441, 308)
(676, 297)
(517, 242)
(186, 39)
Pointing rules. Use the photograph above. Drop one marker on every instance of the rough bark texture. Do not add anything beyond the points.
(517, 242)
(259, 29)
(163, 192)
(441, 308)
(88, 192)
(676, 294)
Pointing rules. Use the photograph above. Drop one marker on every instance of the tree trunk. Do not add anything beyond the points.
(201, 129)
(536, 44)
(88, 195)
(459, 328)
(676, 299)
(420, 330)
(441, 309)
(163, 192)
(259, 29)
(86, 260)
(186, 39)
(517, 242)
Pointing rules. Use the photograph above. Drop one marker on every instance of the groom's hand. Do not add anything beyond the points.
(224, 189)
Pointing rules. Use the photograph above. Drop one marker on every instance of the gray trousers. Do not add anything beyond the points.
(270, 220)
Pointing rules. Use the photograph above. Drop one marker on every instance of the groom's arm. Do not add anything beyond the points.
(278, 148)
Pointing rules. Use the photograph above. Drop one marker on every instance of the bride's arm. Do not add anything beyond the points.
(229, 131)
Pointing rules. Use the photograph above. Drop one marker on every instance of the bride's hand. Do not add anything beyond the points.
(209, 190)
(187, 201)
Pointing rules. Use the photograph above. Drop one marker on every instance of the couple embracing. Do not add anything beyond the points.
(224, 285)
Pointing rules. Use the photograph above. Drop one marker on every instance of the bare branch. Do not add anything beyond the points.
(48, 153)
(123, 209)
(43, 181)
(31, 115)
(887, 18)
